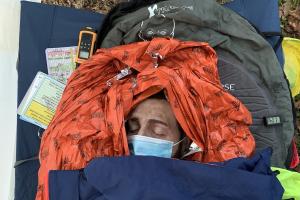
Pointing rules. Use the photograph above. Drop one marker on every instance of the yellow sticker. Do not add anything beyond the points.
(40, 113)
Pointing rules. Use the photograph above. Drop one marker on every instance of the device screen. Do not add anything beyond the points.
(85, 46)
(84, 54)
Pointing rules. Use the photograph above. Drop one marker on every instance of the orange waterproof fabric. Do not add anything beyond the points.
(89, 121)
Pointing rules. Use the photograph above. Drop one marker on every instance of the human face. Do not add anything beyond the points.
(154, 118)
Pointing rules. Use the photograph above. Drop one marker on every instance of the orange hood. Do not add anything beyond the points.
(89, 121)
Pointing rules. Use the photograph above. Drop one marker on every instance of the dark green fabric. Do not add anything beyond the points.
(224, 30)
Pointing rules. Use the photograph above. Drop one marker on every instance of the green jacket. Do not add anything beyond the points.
(290, 181)
(224, 30)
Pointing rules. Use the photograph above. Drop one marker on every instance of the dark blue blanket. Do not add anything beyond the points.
(149, 178)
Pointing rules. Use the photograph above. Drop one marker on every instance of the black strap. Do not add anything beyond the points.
(272, 34)
(290, 155)
(20, 162)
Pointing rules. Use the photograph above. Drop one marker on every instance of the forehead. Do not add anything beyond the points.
(158, 109)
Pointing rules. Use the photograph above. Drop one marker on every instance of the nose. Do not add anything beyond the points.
(144, 131)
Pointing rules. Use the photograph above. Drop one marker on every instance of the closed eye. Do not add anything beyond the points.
(160, 128)
(132, 126)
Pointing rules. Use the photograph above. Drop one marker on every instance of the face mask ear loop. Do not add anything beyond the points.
(179, 141)
(191, 151)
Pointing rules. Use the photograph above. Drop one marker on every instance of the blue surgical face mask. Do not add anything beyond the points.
(148, 146)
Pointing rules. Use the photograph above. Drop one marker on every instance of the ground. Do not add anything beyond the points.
(290, 17)
(289, 14)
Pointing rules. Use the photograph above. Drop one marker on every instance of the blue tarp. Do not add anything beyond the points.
(264, 16)
(41, 26)
(148, 178)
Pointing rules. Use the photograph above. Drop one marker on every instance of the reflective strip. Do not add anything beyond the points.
(272, 121)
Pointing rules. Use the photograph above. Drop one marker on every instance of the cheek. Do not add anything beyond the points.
(173, 136)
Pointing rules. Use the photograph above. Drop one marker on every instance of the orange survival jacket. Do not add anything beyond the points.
(89, 121)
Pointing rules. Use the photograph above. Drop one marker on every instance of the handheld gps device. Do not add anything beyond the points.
(86, 45)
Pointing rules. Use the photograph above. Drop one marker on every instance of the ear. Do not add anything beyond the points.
(184, 148)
